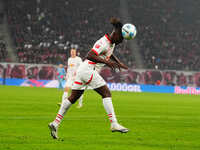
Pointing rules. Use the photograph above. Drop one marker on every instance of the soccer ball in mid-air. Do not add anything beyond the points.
(129, 31)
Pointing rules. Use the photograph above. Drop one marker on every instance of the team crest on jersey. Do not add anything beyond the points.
(97, 46)
(71, 65)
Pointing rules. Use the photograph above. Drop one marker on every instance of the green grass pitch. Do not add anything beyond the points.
(156, 121)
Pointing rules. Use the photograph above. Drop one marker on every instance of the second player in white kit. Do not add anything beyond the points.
(72, 66)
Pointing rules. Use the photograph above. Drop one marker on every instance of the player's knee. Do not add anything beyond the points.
(106, 94)
(73, 98)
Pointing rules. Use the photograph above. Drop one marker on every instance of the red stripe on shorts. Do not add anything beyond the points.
(89, 80)
(76, 82)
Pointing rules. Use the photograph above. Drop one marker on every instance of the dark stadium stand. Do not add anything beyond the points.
(44, 31)
(3, 52)
(168, 37)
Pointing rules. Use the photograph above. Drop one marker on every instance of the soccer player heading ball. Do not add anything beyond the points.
(87, 75)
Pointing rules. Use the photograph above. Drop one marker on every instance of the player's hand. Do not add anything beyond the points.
(123, 66)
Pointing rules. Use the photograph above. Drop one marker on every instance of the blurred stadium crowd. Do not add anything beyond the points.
(168, 33)
(44, 30)
(3, 52)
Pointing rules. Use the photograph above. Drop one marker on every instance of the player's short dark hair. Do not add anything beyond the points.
(116, 23)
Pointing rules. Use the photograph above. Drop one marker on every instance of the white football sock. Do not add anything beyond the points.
(64, 96)
(81, 100)
(107, 103)
(63, 109)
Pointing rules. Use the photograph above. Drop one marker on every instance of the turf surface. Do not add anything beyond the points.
(156, 121)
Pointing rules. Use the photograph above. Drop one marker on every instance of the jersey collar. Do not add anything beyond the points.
(108, 37)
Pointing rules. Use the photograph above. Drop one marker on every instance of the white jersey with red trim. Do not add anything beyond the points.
(73, 64)
(104, 49)
(88, 72)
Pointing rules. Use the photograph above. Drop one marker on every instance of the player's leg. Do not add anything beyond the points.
(65, 93)
(107, 102)
(80, 102)
(108, 106)
(67, 90)
(77, 90)
(59, 84)
(99, 85)
(66, 104)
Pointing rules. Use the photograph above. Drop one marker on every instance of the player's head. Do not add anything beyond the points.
(73, 52)
(116, 35)
(60, 65)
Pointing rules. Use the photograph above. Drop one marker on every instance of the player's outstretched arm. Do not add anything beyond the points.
(121, 65)
(93, 57)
